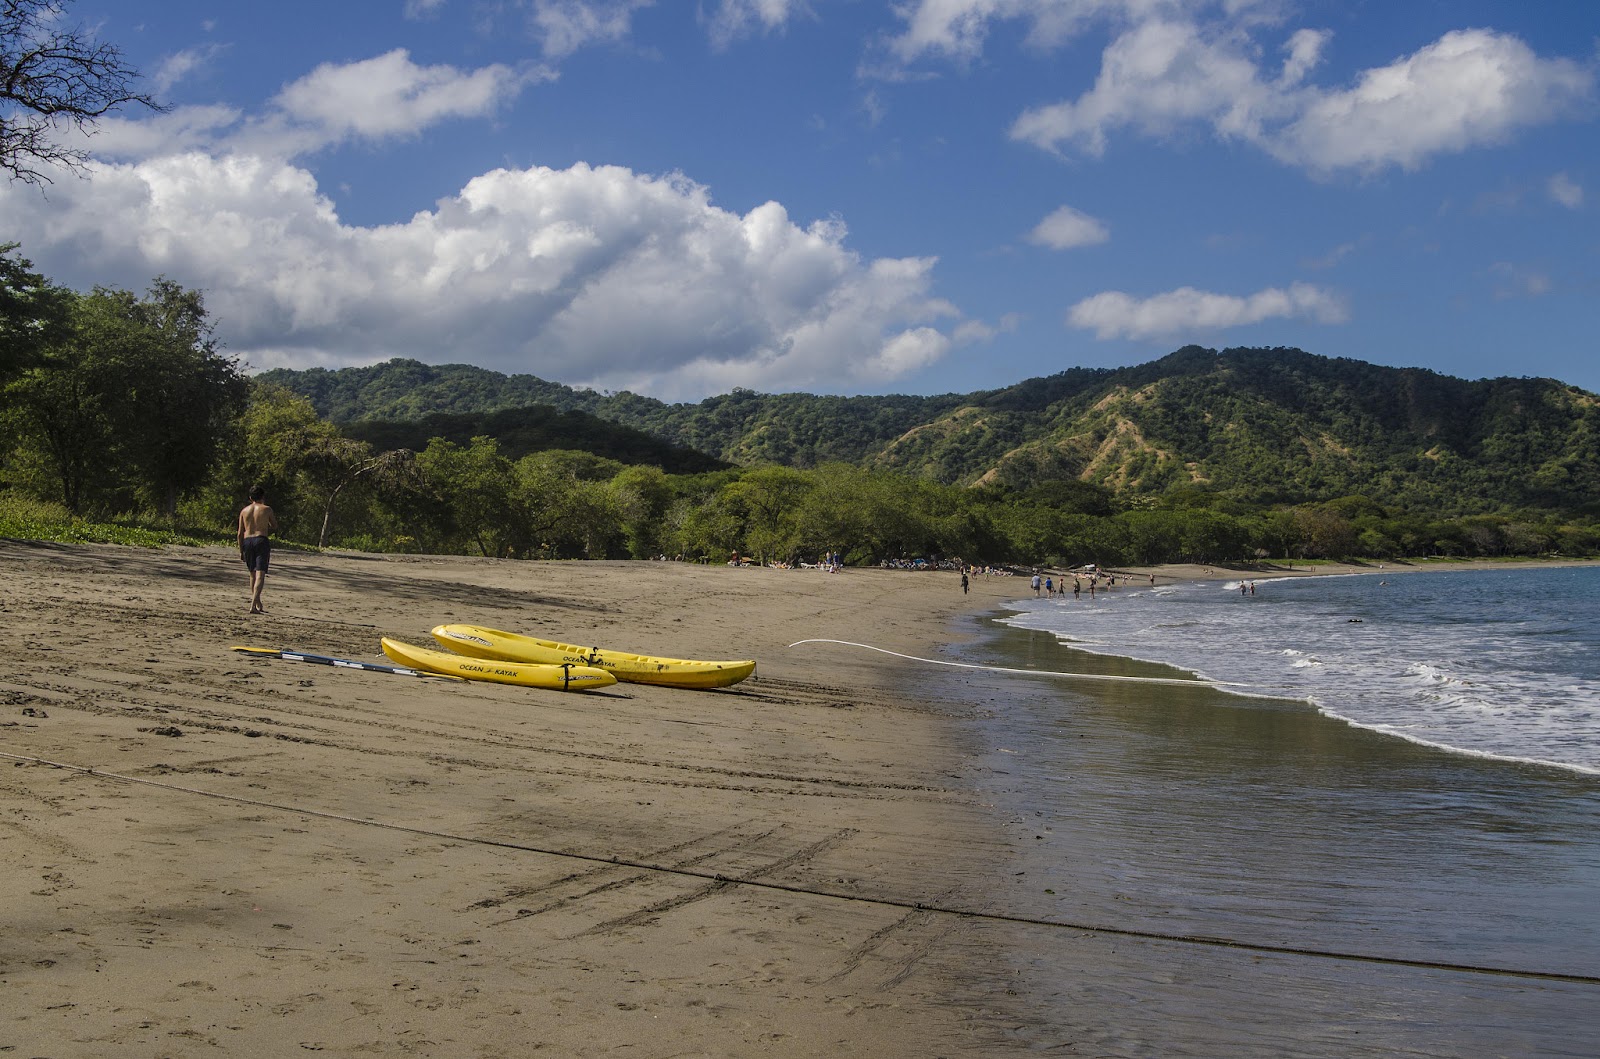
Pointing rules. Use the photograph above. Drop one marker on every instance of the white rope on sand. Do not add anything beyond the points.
(1174, 681)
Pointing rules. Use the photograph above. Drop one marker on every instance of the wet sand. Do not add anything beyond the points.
(270, 857)
(1191, 813)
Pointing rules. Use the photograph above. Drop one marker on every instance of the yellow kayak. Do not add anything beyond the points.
(562, 677)
(479, 642)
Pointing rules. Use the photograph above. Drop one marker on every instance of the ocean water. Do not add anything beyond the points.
(1412, 773)
(1499, 663)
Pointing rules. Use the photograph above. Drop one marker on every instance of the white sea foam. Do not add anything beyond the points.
(1490, 663)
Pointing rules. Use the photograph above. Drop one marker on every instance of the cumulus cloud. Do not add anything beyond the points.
(388, 97)
(1114, 314)
(1066, 228)
(1467, 89)
(1159, 77)
(391, 96)
(1565, 191)
(587, 275)
(1168, 75)
(178, 130)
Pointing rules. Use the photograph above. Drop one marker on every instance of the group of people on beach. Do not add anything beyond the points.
(1049, 586)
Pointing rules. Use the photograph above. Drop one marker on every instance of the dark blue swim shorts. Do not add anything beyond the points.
(256, 553)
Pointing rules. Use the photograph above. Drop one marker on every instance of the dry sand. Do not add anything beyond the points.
(271, 857)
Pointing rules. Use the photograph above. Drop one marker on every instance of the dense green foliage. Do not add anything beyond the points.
(33, 312)
(1244, 426)
(119, 412)
(536, 428)
(119, 399)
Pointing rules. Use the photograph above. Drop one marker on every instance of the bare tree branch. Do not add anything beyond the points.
(54, 77)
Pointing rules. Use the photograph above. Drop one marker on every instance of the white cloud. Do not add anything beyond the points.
(175, 131)
(387, 97)
(1113, 314)
(947, 28)
(391, 96)
(958, 29)
(1159, 77)
(1469, 88)
(565, 26)
(1163, 76)
(597, 276)
(907, 352)
(179, 65)
(1305, 52)
(969, 332)
(1565, 191)
(734, 19)
(1066, 228)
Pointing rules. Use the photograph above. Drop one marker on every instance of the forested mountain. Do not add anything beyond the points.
(800, 430)
(1262, 426)
(118, 411)
(536, 428)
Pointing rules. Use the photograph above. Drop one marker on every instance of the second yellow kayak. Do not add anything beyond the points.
(562, 677)
(480, 642)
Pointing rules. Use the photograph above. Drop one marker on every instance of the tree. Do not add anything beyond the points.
(395, 467)
(833, 515)
(475, 483)
(33, 312)
(53, 77)
(281, 437)
(181, 393)
(769, 496)
(642, 496)
(61, 407)
(1325, 534)
(128, 396)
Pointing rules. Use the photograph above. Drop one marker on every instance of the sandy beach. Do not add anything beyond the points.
(208, 853)
(271, 857)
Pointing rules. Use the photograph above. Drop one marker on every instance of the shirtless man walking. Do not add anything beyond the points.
(256, 521)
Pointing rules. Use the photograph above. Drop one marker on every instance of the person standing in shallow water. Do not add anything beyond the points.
(256, 523)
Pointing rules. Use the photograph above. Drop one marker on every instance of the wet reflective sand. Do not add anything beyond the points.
(1195, 813)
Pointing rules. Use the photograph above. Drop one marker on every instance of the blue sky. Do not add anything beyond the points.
(850, 196)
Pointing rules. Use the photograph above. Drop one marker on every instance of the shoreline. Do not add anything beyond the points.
(1176, 812)
(1095, 655)
(1269, 569)
(396, 866)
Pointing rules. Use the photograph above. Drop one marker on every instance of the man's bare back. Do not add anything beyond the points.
(256, 520)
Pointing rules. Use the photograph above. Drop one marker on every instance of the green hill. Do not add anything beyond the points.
(1260, 425)
(536, 428)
